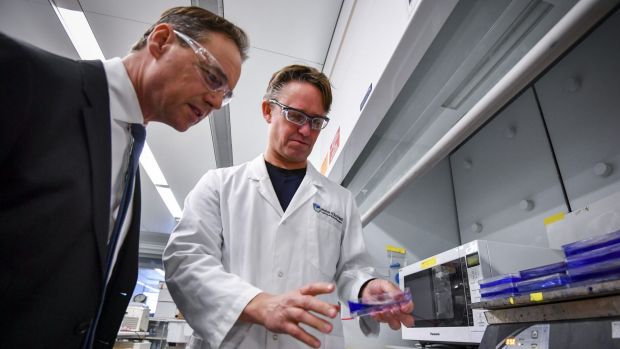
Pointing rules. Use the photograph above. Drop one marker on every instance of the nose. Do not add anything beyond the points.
(305, 129)
(214, 99)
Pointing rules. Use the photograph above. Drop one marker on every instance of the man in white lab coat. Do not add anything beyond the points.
(253, 261)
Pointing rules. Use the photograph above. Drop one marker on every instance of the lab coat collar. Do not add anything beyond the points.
(308, 187)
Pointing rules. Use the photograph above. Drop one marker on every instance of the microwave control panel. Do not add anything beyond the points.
(474, 274)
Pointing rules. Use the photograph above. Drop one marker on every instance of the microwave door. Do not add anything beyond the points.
(439, 295)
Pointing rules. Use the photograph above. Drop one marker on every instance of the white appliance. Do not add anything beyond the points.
(445, 285)
(136, 318)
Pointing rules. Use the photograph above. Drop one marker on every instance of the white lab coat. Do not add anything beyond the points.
(234, 241)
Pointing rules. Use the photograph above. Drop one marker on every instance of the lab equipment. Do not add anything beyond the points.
(136, 318)
(444, 286)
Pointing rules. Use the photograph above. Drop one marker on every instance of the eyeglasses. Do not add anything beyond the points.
(209, 68)
(299, 118)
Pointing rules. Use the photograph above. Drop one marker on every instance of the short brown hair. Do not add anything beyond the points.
(300, 73)
(197, 23)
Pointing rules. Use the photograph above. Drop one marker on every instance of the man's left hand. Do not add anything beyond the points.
(394, 316)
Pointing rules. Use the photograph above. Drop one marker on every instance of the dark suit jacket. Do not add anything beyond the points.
(55, 202)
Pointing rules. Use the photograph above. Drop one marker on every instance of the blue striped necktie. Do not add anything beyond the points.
(139, 135)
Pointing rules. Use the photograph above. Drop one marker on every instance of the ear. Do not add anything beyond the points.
(266, 106)
(160, 40)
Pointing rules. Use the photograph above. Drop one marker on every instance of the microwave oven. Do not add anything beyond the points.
(444, 286)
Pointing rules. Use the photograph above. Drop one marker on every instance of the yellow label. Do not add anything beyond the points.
(391, 248)
(556, 217)
(536, 297)
(511, 300)
(324, 165)
(429, 262)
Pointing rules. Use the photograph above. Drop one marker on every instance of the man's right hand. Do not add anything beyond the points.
(284, 313)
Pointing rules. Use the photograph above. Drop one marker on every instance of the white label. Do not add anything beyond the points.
(615, 329)
(480, 320)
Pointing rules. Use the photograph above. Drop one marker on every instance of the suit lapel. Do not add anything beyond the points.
(96, 113)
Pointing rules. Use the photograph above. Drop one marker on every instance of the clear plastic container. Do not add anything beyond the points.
(499, 280)
(559, 267)
(543, 283)
(363, 307)
(606, 270)
(592, 243)
(500, 286)
(599, 255)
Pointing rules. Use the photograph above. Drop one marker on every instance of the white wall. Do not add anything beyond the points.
(365, 38)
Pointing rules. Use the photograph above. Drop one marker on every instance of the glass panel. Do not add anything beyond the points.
(478, 44)
(505, 180)
(439, 295)
(579, 101)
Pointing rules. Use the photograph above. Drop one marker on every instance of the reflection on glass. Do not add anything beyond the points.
(439, 295)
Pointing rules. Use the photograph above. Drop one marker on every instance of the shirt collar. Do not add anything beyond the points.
(124, 105)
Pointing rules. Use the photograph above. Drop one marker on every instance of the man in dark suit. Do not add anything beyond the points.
(68, 261)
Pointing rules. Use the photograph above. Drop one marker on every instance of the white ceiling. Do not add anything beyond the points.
(281, 32)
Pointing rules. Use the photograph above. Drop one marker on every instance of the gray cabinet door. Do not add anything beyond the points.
(580, 100)
(505, 180)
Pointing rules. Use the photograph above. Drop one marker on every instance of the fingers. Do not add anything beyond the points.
(317, 288)
(395, 316)
(301, 335)
(309, 302)
(407, 320)
(302, 316)
(316, 305)
(407, 308)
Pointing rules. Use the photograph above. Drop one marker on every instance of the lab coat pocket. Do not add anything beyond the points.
(323, 245)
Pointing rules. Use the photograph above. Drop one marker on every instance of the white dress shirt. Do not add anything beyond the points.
(124, 111)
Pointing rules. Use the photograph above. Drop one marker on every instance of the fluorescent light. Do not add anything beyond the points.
(79, 32)
(148, 162)
(160, 271)
(73, 20)
(169, 200)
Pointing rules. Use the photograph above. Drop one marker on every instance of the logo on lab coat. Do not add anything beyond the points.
(331, 214)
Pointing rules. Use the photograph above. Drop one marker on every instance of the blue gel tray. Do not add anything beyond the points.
(499, 280)
(504, 293)
(559, 267)
(382, 302)
(603, 254)
(590, 244)
(542, 283)
(597, 272)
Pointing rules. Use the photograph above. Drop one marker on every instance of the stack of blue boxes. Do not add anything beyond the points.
(594, 260)
(587, 261)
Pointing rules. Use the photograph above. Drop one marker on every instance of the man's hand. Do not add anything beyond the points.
(283, 313)
(394, 316)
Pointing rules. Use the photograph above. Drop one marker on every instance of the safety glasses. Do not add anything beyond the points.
(209, 68)
(300, 118)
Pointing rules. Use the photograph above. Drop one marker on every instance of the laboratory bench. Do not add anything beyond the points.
(586, 316)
